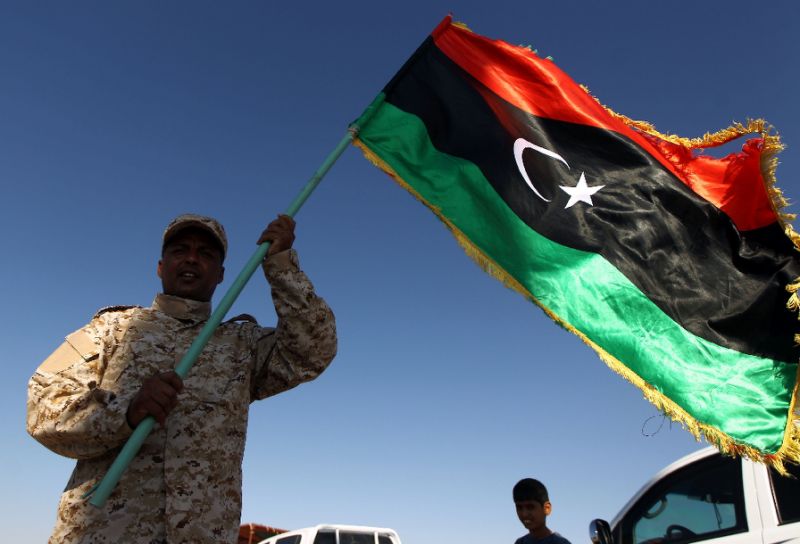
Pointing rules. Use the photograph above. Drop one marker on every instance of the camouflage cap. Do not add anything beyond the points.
(208, 224)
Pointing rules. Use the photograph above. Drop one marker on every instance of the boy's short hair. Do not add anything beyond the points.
(529, 489)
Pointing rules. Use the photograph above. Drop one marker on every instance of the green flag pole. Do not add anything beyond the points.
(99, 493)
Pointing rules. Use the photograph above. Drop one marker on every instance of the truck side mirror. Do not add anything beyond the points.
(600, 532)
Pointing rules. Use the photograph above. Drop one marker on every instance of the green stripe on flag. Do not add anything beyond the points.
(746, 397)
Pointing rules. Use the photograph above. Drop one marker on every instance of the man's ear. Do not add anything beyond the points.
(158, 269)
(221, 274)
(547, 507)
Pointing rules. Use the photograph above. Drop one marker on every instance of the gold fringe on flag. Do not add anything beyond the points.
(790, 448)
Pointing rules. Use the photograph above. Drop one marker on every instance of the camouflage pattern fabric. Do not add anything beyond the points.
(185, 485)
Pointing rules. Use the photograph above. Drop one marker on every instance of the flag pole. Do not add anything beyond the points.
(99, 493)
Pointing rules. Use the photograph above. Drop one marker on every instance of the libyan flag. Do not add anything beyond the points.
(676, 267)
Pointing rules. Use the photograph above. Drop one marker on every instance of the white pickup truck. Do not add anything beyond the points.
(336, 534)
(706, 497)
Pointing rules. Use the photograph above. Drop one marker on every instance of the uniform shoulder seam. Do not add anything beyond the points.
(108, 309)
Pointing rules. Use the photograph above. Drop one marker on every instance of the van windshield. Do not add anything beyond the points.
(345, 537)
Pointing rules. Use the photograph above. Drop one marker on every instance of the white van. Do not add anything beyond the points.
(709, 498)
(336, 534)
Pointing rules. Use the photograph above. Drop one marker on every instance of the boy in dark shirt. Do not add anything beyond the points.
(533, 507)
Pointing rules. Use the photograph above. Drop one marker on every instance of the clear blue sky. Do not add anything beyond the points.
(448, 388)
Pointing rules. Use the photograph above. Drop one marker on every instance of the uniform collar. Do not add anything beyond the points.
(183, 309)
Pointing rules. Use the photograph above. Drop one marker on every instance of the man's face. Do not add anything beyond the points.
(532, 514)
(191, 265)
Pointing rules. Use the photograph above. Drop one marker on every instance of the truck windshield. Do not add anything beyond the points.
(701, 501)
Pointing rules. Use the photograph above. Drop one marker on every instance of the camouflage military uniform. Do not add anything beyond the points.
(185, 484)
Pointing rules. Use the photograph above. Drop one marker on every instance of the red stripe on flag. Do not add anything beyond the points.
(733, 184)
(525, 80)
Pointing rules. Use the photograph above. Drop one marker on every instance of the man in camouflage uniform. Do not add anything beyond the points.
(185, 485)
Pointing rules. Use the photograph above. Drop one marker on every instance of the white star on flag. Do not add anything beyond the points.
(580, 192)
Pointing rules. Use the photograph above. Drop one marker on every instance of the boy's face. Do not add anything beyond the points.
(532, 514)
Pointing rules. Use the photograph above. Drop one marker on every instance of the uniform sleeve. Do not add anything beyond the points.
(68, 411)
(304, 342)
